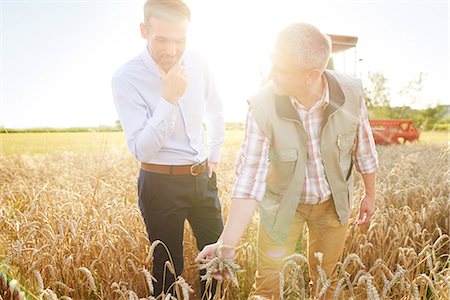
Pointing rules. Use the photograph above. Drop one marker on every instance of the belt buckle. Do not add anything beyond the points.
(194, 173)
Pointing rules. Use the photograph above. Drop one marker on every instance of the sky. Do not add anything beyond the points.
(57, 57)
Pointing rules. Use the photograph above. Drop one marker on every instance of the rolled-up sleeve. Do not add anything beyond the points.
(252, 162)
(366, 158)
(145, 131)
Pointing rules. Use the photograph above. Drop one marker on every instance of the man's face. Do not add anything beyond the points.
(166, 40)
(288, 76)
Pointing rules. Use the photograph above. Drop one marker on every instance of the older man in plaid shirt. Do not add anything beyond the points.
(304, 133)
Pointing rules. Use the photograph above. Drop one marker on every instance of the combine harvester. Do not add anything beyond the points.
(388, 132)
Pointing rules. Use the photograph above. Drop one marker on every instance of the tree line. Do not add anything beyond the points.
(379, 106)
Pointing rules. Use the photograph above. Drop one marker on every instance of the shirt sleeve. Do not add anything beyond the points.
(214, 118)
(366, 158)
(252, 162)
(145, 131)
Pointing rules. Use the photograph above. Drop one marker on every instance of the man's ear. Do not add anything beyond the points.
(143, 31)
(314, 75)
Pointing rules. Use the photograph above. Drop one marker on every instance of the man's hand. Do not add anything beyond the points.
(212, 167)
(366, 210)
(210, 251)
(239, 215)
(174, 83)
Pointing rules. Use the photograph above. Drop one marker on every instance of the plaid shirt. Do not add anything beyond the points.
(252, 162)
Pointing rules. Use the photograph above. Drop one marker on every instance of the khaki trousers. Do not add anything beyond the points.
(325, 234)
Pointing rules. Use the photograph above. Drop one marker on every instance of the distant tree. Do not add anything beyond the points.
(434, 116)
(428, 118)
(377, 93)
(413, 90)
(118, 125)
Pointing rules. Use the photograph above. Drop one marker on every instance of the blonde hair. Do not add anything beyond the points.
(311, 47)
(169, 10)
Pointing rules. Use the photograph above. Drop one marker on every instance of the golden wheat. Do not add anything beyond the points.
(71, 229)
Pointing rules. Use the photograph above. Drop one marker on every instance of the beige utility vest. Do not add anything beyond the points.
(281, 124)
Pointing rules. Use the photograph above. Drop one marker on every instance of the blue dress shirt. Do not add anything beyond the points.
(159, 132)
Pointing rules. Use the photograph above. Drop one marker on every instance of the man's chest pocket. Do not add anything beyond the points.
(346, 141)
(346, 144)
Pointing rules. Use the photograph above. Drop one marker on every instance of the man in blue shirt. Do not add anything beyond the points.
(163, 96)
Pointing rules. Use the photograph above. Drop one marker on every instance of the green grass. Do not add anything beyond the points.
(48, 142)
(435, 137)
(80, 142)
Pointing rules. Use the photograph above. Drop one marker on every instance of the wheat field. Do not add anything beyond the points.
(70, 228)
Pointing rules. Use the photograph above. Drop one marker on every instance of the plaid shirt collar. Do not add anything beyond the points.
(321, 103)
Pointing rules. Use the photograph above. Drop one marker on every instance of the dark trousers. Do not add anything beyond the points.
(165, 202)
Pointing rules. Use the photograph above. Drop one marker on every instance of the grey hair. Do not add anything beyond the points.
(311, 47)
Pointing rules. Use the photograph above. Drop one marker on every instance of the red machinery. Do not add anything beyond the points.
(393, 131)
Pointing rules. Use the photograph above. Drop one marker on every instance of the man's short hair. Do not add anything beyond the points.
(169, 10)
(311, 47)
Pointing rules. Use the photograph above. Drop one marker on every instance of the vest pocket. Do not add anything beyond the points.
(282, 164)
(345, 143)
